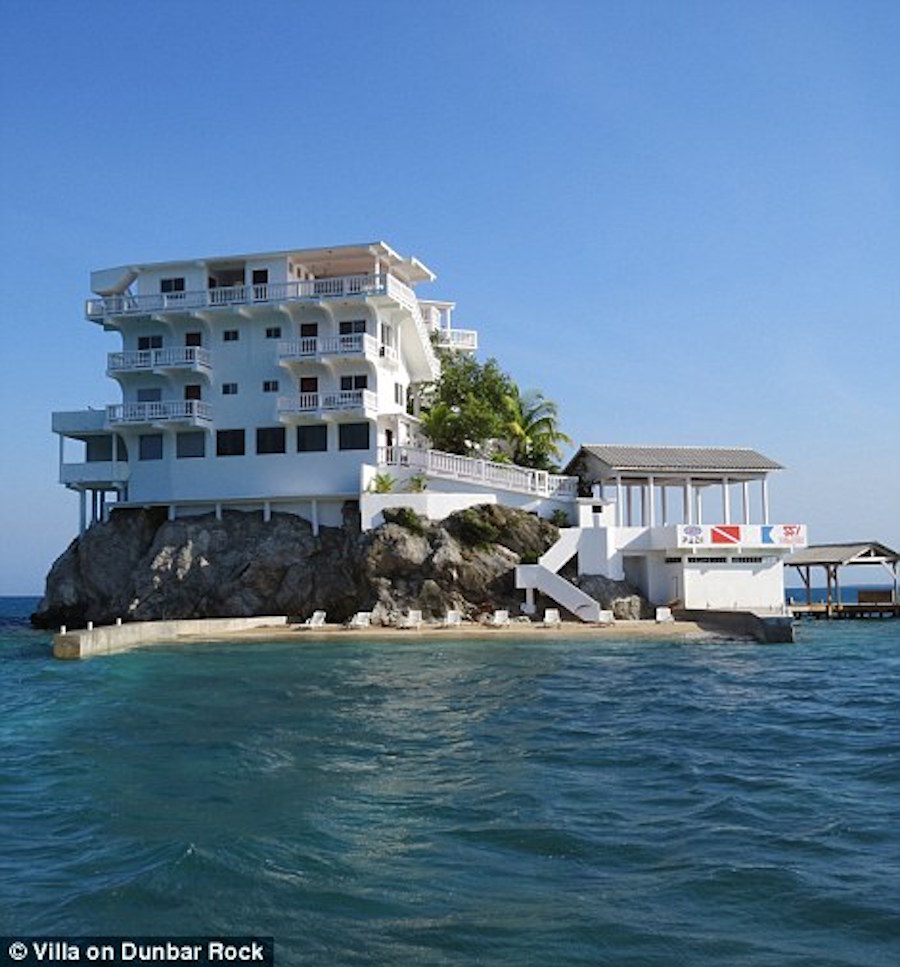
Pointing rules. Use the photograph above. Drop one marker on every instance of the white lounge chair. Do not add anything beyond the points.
(552, 618)
(362, 619)
(316, 620)
(605, 618)
(452, 619)
(664, 616)
(500, 619)
(412, 621)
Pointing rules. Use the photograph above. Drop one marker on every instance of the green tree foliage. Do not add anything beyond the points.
(477, 408)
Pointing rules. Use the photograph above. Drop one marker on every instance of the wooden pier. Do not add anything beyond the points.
(885, 609)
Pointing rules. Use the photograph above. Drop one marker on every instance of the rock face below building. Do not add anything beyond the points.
(142, 567)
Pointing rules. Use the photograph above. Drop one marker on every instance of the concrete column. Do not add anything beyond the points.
(315, 517)
(698, 495)
(745, 500)
(765, 500)
(620, 510)
(688, 495)
(173, 512)
(267, 511)
(665, 510)
(726, 501)
(218, 511)
(629, 501)
(62, 454)
(651, 521)
(82, 512)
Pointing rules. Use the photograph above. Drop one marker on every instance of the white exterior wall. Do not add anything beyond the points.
(734, 586)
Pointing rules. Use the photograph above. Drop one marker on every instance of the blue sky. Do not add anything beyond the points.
(680, 220)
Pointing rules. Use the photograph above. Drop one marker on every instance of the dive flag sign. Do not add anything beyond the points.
(725, 534)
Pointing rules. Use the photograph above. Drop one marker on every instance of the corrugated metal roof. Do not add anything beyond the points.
(662, 459)
(843, 554)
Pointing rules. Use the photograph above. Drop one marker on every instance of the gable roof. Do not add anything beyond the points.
(663, 459)
(871, 552)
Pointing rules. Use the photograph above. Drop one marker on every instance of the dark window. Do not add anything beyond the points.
(270, 439)
(309, 384)
(354, 382)
(149, 342)
(273, 332)
(231, 335)
(151, 395)
(171, 285)
(353, 436)
(99, 449)
(270, 385)
(230, 443)
(229, 389)
(309, 330)
(193, 339)
(399, 395)
(312, 439)
(193, 391)
(352, 326)
(260, 276)
(151, 446)
(190, 444)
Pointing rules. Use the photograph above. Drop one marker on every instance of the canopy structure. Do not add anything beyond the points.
(832, 557)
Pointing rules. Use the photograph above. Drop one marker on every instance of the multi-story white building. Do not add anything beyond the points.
(255, 381)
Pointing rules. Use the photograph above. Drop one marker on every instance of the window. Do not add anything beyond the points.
(270, 439)
(309, 384)
(231, 335)
(149, 395)
(312, 439)
(399, 395)
(193, 391)
(354, 382)
(270, 385)
(273, 332)
(352, 326)
(260, 276)
(229, 443)
(98, 449)
(193, 339)
(229, 389)
(309, 330)
(190, 444)
(171, 285)
(353, 436)
(149, 342)
(150, 446)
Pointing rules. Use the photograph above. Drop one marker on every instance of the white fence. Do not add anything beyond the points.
(171, 358)
(159, 411)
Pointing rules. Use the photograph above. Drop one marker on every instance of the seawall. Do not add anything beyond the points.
(767, 628)
(110, 639)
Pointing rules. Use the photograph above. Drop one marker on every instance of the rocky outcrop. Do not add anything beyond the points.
(620, 597)
(142, 567)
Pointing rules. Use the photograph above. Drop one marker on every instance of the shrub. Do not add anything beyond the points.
(416, 483)
(559, 517)
(473, 529)
(405, 517)
(382, 483)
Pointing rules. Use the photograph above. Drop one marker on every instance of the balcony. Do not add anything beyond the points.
(95, 473)
(330, 348)
(458, 340)
(322, 406)
(162, 412)
(312, 290)
(190, 358)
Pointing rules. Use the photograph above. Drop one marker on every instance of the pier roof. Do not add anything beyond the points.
(678, 459)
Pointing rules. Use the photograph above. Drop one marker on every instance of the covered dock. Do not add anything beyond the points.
(879, 602)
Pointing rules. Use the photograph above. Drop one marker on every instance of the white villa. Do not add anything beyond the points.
(286, 381)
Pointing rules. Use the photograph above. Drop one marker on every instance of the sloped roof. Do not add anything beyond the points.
(663, 459)
(842, 554)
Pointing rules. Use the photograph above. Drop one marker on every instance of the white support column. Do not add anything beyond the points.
(745, 500)
(651, 521)
(267, 511)
(698, 495)
(665, 509)
(315, 517)
(61, 454)
(630, 502)
(765, 500)
(726, 500)
(688, 495)
(218, 511)
(82, 512)
(620, 510)
(173, 511)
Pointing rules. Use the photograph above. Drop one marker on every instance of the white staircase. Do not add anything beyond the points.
(543, 577)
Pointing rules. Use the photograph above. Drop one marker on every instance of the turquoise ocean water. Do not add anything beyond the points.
(497, 802)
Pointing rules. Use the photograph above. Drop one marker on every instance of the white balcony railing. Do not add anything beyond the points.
(315, 404)
(162, 411)
(179, 357)
(320, 347)
(462, 340)
(344, 286)
(501, 476)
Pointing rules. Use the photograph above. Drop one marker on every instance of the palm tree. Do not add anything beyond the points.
(532, 429)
